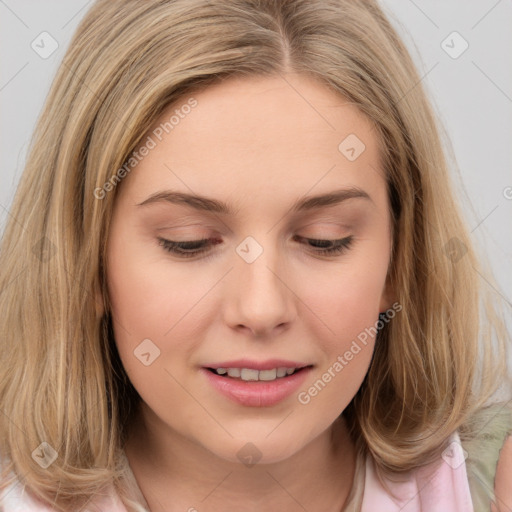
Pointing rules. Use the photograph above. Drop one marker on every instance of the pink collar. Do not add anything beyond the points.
(439, 487)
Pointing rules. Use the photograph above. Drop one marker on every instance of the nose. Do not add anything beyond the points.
(260, 297)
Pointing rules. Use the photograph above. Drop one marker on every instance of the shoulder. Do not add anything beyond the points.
(483, 438)
(502, 486)
(14, 497)
(13, 494)
(490, 458)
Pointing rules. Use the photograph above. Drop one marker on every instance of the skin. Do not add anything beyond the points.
(259, 144)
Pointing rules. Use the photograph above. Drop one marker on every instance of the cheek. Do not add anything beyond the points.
(348, 306)
(146, 300)
(147, 294)
(147, 305)
(348, 298)
(347, 301)
(155, 299)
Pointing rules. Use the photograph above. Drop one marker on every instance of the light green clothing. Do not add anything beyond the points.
(484, 451)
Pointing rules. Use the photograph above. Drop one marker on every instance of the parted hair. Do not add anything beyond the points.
(436, 364)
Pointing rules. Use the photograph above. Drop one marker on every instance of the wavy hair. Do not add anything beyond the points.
(435, 365)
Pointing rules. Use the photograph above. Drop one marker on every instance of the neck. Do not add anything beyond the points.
(176, 473)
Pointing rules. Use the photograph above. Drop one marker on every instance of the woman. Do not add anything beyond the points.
(242, 279)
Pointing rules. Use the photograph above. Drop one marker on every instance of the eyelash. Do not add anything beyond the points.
(179, 248)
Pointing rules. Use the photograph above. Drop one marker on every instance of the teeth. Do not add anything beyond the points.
(281, 372)
(268, 374)
(249, 374)
(246, 374)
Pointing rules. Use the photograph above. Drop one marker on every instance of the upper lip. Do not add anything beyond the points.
(269, 364)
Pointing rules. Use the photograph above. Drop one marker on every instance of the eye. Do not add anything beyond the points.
(186, 249)
(193, 248)
(329, 247)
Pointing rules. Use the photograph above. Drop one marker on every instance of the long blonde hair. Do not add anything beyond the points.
(436, 364)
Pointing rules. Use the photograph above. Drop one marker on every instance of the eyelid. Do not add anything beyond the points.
(339, 246)
(337, 223)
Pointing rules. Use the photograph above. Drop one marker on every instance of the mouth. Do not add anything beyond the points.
(251, 387)
(253, 375)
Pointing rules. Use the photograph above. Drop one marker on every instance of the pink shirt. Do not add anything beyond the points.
(440, 487)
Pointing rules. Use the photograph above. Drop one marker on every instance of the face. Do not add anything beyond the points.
(257, 277)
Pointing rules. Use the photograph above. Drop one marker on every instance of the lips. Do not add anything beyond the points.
(246, 386)
(269, 364)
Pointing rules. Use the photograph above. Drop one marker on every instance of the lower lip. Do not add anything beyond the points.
(257, 393)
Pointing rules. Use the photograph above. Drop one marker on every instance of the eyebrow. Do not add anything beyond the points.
(209, 204)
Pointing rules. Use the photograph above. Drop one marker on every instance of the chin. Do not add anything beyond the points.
(258, 449)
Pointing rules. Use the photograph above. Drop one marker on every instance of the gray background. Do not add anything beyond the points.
(472, 95)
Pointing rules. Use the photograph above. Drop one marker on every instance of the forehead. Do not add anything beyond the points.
(257, 134)
(248, 113)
